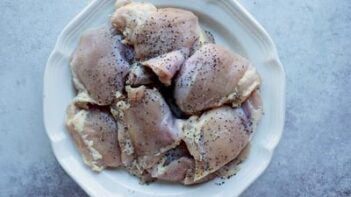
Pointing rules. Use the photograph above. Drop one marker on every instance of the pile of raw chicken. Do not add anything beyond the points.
(157, 96)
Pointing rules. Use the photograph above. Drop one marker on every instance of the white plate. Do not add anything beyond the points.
(232, 27)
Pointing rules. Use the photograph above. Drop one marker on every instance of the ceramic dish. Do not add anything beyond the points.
(234, 28)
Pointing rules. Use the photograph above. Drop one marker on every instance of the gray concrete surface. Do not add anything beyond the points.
(313, 38)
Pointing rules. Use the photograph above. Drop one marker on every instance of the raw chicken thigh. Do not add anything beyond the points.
(99, 66)
(215, 138)
(214, 76)
(148, 126)
(153, 31)
(219, 135)
(95, 134)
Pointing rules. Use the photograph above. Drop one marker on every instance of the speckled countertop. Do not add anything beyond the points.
(313, 39)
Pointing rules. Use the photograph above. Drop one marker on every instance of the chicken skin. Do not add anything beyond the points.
(214, 76)
(95, 133)
(174, 165)
(99, 66)
(148, 127)
(153, 31)
(165, 66)
(219, 135)
(215, 138)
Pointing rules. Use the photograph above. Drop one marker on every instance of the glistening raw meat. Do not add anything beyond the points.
(214, 76)
(99, 66)
(95, 133)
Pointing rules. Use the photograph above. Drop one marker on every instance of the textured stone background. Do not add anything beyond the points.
(313, 38)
